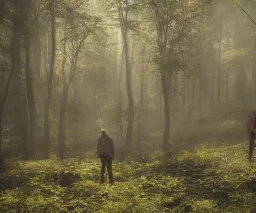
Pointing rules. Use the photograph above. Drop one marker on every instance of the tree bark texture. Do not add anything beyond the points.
(3, 101)
(141, 99)
(49, 86)
(30, 96)
(219, 62)
(63, 109)
(123, 18)
(165, 89)
(19, 89)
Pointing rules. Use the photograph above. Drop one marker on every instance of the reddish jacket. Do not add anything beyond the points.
(250, 125)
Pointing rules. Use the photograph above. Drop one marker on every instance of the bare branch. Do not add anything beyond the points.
(245, 12)
(75, 58)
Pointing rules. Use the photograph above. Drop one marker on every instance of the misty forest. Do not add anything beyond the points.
(127, 106)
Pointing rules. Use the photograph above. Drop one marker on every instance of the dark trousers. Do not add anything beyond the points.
(106, 161)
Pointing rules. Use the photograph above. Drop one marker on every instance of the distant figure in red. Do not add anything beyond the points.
(105, 151)
(251, 127)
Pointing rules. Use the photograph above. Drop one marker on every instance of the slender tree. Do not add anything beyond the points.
(163, 17)
(219, 63)
(18, 85)
(120, 106)
(124, 23)
(49, 80)
(64, 96)
(142, 76)
(25, 13)
(2, 103)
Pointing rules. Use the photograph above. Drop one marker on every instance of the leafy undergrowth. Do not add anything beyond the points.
(208, 180)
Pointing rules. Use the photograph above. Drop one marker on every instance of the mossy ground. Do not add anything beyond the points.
(207, 180)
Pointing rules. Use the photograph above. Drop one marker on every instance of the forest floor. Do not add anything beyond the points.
(205, 180)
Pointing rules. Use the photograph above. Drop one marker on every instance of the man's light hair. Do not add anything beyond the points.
(103, 131)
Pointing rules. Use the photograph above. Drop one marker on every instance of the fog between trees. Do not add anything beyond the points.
(143, 70)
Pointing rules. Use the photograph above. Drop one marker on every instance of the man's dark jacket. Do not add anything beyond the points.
(105, 147)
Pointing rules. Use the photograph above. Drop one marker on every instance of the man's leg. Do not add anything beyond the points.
(110, 173)
(251, 146)
(103, 165)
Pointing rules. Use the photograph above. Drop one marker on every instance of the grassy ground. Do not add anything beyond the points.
(208, 180)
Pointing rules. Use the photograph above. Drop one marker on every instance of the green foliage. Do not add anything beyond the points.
(234, 59)
(207, 180)
(231, 126)
(204, 206)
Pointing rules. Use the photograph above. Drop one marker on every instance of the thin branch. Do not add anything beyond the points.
(5, 49)
(245, 12)
(64, 56)
(75, 58)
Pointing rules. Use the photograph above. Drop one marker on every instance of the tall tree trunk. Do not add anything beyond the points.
(175, 98)
(166, 112)
(19, 89)
(130, 115)
(166, 76)
(192, 94)
(25, 10)
(45, 55)
(227, 71)
(120, 106)
(141, 99)
(30, 96)
(36, 44)
(2, 103)
(193, 91)
(95, 103)
(63, 105)
(36, 49)
(22, 118)
(200, 88)
(63, 109)
(184, 102)
(227, 87)
(165, 80)
(219, 63)
(212, 89)
(49, 84)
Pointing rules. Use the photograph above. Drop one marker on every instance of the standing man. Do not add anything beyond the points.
(251, 127)
(106, 151)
